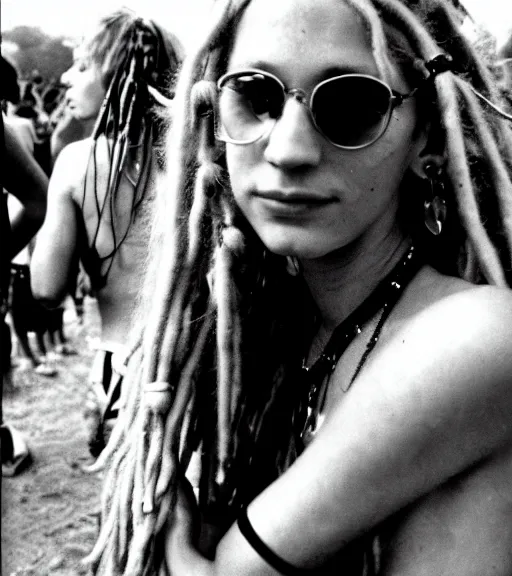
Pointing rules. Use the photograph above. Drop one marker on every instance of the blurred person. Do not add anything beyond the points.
(31, 105)
(22, 177)
(30, 119)
(102, 187)
(11, 88)
(28, 315)
(31, 108)
(24, 130)
(52, 95)
(22, 127)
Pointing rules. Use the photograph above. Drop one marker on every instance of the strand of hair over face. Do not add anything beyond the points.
(194, 326)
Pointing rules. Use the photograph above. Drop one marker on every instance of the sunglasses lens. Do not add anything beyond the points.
(248, 103)
(352, 111)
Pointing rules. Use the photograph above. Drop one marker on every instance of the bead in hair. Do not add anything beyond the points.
(233, 239)
(157, 397)
(439, 64)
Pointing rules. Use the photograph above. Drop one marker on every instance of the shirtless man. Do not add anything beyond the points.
(97, 200)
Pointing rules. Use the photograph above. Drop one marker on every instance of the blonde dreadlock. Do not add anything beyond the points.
(212, 281)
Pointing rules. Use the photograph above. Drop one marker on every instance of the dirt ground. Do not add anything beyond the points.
(49, 511)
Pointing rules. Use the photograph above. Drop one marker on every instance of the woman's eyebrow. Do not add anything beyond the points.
(323, 73)
(258, 65)
(342, 70)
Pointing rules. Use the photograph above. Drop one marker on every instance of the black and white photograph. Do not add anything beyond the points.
(256, 288)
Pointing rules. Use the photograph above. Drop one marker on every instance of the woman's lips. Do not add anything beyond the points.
(293, 202)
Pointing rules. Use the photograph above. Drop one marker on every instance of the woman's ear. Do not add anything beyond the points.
(419, 146)
(426, 148)
(423, 159)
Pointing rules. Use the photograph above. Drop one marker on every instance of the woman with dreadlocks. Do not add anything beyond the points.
(330, 324)
(101, 187)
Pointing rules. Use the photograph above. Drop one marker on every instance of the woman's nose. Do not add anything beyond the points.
(66, 77)
(294, 141)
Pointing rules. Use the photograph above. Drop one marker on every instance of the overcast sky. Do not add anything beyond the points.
(73, 17)
(496, 15)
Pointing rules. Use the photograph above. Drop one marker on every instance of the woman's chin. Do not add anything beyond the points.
(294, 249)
(301, 243)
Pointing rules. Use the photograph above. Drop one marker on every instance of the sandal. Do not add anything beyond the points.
(21, 455)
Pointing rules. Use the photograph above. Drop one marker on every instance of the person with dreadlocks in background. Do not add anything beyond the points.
(329, 317)
(102, 187)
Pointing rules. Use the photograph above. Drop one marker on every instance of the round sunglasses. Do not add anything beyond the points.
(351, 111)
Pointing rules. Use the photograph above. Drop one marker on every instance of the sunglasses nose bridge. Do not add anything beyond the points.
(298, 94)
(301, 97)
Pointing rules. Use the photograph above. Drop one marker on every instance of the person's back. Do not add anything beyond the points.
(113, 259)
(101, 187)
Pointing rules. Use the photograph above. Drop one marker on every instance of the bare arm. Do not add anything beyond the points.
(25, 180)
(55, 256)
(436, 403)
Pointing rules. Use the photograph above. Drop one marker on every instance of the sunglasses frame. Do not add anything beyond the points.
(396, 99)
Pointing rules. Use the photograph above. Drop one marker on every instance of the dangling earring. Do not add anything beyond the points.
(293, 265)
(435, 205)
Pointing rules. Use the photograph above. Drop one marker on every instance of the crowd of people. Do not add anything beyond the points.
(299, 236)
(94, 235)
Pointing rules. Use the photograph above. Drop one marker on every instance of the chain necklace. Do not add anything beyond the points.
(315, 378)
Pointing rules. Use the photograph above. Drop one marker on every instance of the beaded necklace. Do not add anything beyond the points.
(315, 378)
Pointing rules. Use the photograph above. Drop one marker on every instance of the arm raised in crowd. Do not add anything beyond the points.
(24, 179)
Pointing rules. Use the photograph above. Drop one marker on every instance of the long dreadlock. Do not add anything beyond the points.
(211, 363)
(137, 63)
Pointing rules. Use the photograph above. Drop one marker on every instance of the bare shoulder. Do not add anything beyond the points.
(76, 152)
(445, 335)
(446, 340)
(82, 167)
(456, 345)
(452, 336)
(463, 316)
(70, 169)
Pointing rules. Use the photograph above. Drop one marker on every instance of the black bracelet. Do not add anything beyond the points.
(263, 550)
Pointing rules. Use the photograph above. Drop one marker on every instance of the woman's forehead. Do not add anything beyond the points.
(79, 52)
(316, 33)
